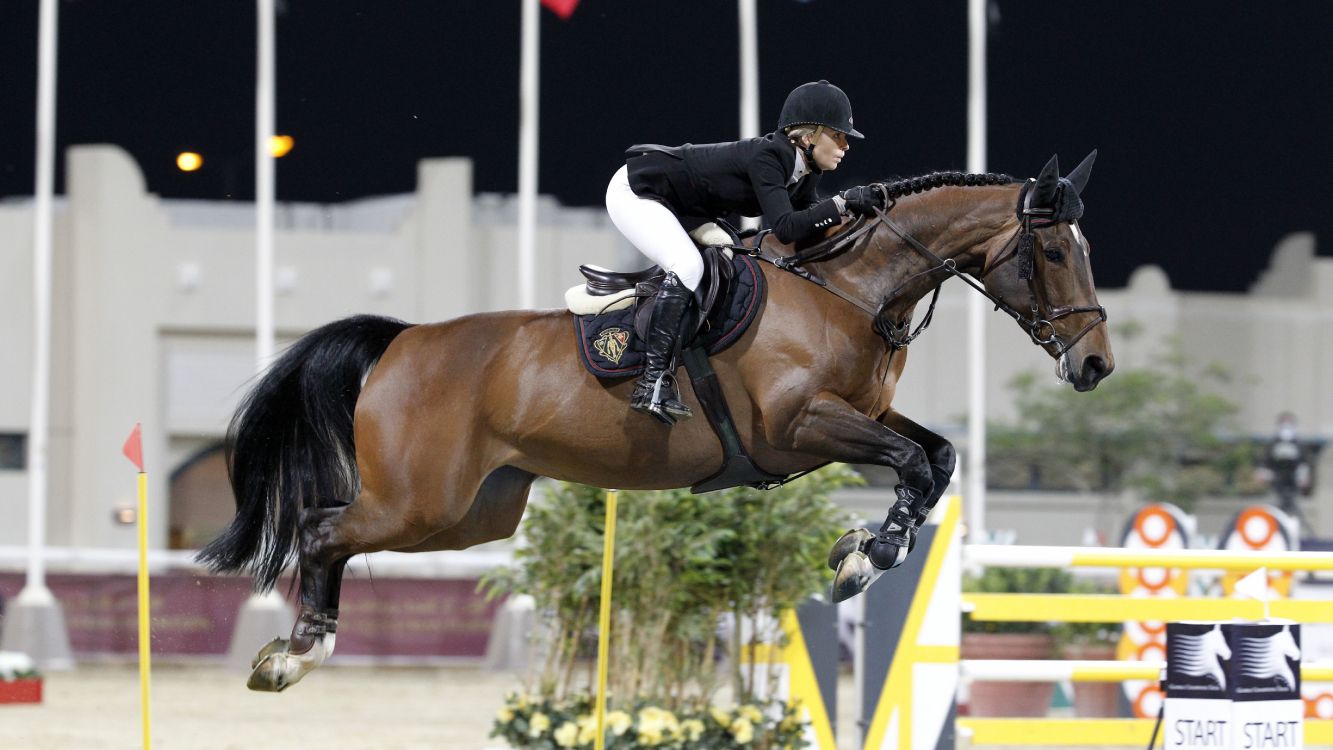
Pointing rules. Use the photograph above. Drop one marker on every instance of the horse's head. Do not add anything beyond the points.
(1286, 644)
(1217, 641)
(1045, 277)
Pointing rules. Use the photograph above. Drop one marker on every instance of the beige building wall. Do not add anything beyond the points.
(154, 314)
(154, 310)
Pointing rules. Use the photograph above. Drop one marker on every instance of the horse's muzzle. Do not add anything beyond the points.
(1093, 370)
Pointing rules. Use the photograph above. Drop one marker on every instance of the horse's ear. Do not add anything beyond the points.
(1079, 177)
(1048, 181)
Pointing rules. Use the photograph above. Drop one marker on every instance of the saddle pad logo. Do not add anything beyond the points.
(611, 344)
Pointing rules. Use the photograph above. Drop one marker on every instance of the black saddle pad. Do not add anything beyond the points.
(609, 347)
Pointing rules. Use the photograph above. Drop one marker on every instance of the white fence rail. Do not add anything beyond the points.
(455, 565)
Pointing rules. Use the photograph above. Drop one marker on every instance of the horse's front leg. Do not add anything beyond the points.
(939, 451)
(831, 428)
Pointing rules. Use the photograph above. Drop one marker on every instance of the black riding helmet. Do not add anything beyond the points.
(818, 103)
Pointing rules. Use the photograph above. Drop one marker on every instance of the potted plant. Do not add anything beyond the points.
(1011, 640)
(19, 680)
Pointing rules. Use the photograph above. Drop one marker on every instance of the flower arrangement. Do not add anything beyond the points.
(16, 666)
(20, 682)
(548, 724)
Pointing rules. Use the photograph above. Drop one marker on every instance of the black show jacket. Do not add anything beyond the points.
(703, 182)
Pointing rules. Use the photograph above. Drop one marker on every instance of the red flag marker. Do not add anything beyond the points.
(133, 448)
(562, 8)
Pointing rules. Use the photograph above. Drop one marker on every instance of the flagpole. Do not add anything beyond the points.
(749, 69)
(527, 154)
(133, 450)
(749, 49)
(39, 426)
(976, 310)
(264, 187)
(35, 623)
(262, 614)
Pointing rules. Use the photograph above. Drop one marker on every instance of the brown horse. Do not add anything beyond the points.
(371, 434)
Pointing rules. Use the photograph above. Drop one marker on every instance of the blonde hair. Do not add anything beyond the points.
(795, 132)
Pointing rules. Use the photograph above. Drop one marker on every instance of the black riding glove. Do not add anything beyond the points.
(863, 200)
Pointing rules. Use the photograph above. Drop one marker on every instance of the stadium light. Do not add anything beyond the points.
(279, 145)
(189, 161)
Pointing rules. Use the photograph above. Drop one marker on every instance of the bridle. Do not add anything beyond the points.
(1039, 322)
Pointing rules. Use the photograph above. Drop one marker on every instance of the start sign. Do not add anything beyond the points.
(1233, 686)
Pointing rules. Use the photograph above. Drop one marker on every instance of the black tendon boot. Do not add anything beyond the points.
(860, 557)
(894, 539)
(655, 392)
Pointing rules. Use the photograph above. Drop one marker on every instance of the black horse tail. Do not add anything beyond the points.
(289, 446)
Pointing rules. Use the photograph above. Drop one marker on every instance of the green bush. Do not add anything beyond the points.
(1157, 430)
(682, 562)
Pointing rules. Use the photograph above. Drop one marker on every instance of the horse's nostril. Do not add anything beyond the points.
(1094, 366)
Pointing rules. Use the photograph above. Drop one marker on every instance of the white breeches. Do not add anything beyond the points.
(654, 230)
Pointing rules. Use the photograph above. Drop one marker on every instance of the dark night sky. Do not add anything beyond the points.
(1213, 119)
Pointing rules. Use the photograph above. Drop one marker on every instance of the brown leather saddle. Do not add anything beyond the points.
(722, 315)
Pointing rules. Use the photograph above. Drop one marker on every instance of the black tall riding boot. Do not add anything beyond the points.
(655, 392)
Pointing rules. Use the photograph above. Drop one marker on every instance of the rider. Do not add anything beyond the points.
(662, 193)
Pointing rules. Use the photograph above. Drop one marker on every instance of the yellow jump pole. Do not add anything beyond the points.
(145, 645)
(604, 618)
(133, 450)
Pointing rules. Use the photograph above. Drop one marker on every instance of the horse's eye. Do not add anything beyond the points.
(1055, 254)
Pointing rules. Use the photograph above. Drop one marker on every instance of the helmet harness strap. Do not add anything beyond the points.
(809, 149)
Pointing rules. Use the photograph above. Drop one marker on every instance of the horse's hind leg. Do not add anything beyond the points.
(424, 496)
(494, 513)
(282, 662)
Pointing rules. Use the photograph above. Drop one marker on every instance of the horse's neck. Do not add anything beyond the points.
(955, 223)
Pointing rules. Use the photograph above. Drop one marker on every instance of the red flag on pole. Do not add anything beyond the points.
(133, 448)
(562, 8)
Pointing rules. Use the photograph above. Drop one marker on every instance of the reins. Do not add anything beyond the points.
(896, 334)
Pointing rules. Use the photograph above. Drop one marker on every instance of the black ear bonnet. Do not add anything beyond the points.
(1049, 199)
(1054, 199)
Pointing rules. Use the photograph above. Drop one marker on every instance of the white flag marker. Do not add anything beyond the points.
(1255, 586)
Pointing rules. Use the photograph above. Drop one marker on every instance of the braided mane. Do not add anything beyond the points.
(899, 188)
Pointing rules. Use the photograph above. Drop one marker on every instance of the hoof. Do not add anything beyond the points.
(276, 668)
(275, 646)
(270, 673)
(855, 574)
(852, 541)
